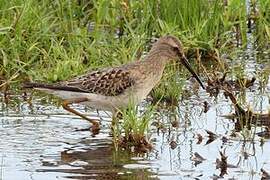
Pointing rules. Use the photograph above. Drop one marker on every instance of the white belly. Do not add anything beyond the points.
(101, 102)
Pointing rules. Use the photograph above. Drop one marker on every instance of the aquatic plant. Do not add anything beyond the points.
(131, 131)
(55, 40)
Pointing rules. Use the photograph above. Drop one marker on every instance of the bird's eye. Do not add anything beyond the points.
(176, 49)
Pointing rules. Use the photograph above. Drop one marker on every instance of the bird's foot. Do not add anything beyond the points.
(95, 128)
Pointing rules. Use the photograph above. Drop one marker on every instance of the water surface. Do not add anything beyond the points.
(40, 140)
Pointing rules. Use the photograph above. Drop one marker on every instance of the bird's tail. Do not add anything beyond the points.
(34, 85)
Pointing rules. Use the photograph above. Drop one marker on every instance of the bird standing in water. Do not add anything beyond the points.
(114, 88)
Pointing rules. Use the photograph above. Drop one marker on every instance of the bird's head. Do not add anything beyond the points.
(172, 47)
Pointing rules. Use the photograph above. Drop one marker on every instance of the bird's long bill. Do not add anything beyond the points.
(184, 61)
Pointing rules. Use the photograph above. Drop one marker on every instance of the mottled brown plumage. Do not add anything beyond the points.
(107, 82)
(114, 88)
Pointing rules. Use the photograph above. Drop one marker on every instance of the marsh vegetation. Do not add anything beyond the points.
(176, 128)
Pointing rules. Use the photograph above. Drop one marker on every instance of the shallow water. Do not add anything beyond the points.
(40, 140)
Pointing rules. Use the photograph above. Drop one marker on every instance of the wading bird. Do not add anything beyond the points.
(114, 88)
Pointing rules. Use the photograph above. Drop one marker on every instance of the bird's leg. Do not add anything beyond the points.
(65, 105)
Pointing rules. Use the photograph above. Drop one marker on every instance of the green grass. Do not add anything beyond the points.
(52, 41)
(133, 128)
(262, 21)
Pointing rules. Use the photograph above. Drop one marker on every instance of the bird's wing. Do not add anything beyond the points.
(108, 82)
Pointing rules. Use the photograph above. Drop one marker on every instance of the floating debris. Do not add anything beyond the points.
(240, 83)
(197, 158)
(173, 144)
(160, 126)
(265, 133)
(262, 141)
(222, 164)
(211, 136)
(245, 118)
(215, 84)
(265, 175)
(175, 124)
(200, 138)
(135, 142)
(246, 155)
(216, 177)
(224, 139)
(206, 106)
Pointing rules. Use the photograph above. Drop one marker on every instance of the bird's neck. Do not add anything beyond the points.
(158, 57)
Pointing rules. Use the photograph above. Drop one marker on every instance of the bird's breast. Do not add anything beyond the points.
(143, 87)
